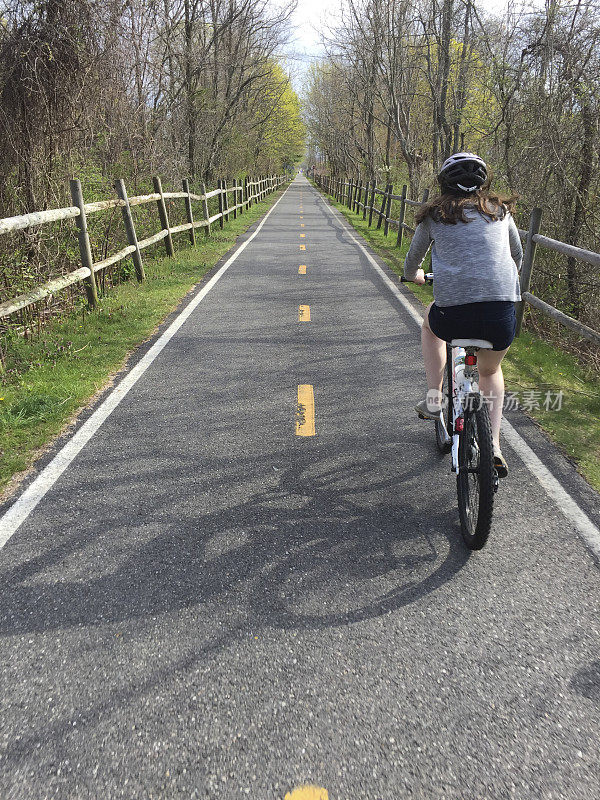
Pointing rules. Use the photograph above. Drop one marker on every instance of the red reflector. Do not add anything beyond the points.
(459, 424)
(471, 360)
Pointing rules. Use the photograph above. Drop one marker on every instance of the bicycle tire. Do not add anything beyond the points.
(443, 444)
(476, 474)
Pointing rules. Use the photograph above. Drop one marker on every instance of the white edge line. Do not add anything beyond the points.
(25, 503)
(565, 503)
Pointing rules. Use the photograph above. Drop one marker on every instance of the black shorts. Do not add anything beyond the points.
(495, 321)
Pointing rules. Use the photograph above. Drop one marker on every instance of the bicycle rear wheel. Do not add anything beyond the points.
(443, 432)
(476, 475)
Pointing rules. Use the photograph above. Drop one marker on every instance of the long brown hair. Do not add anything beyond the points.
(449, 206)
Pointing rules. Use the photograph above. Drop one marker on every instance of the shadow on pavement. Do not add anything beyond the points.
(302, 544)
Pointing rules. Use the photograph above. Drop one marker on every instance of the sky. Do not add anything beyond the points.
(311, 17)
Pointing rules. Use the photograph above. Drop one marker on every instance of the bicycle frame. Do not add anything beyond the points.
(464, 385)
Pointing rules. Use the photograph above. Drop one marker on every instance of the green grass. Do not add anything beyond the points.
(531, 365)
(48, 380)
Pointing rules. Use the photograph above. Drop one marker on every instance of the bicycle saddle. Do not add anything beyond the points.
(481, 344)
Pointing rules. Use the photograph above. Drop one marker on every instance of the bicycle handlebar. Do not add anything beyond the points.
(428, 278)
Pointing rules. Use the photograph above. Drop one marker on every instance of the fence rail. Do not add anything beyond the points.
(248, 192)
(360, 197)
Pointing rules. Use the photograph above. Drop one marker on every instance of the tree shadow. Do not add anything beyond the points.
(300, 536)
(586, 682)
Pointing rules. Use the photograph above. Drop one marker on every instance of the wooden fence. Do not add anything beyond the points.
(368, 200)
(232, 199)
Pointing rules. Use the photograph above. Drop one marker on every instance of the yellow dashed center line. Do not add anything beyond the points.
(303, 313)
(302, 269)
(307, 793)
(302, 235)
(301, 224)
(305, 426)
(302, 247)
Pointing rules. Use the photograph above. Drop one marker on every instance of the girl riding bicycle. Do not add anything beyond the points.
(476, 258)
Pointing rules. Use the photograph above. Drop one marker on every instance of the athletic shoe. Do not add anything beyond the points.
(500, 463)
(424, 412)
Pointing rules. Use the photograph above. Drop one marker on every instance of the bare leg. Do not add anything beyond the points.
(491, 383)
(434, 355)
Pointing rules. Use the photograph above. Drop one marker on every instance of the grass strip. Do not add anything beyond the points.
(535, 370)
(49, 379)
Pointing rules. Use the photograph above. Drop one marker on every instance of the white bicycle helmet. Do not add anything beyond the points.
(464, 171)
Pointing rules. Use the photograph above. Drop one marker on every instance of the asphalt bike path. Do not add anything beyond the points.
(209, 601)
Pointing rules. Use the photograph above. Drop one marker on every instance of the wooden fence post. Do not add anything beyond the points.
(528, 259)
(425, 197)
(188, 209)
(383, 204)
(235, 198)
(205, 209)
(164, 217)
(402, 216)
(226, 201)
(372, 205)
(366, 200)
(221, 204)
(130, 230)
(85, 249)
(388, 208)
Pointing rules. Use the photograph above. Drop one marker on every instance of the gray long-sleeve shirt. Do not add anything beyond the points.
(473, 262)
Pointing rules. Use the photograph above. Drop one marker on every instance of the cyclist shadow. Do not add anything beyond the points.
(358, 563)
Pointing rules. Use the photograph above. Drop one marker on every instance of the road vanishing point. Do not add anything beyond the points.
(241, 574)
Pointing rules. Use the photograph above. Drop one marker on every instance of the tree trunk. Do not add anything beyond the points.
(581, 201)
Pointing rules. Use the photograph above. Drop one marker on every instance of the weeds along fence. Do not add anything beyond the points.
(216, 206)
(375, 205)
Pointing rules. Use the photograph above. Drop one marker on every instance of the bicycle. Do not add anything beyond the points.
(465, 431)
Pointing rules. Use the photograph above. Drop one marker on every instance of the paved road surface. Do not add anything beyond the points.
(208, 605)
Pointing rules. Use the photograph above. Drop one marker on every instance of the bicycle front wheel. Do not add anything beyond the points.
(476, 475)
